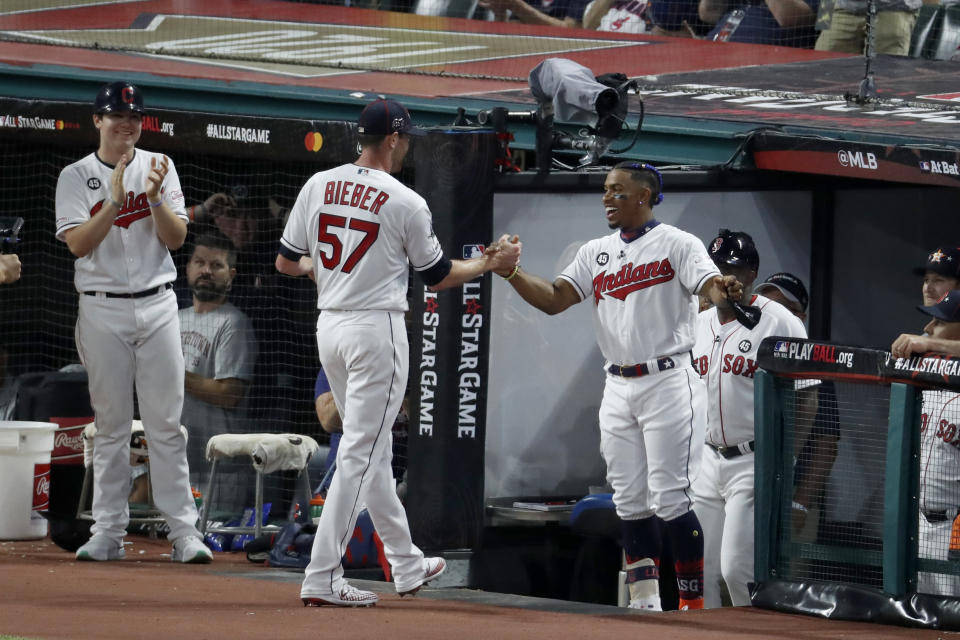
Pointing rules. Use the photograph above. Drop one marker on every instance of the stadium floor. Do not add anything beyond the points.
(45, 593)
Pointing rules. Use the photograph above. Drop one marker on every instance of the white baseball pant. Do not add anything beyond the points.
(365, 356)
(124, 342)
(933, 542)
(651, 430)
(724, 497)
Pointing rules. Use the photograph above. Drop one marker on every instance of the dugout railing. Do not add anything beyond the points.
(841, 427)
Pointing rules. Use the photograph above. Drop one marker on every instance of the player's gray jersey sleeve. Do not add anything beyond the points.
(173, 193)
(294, 235)
(695, 266)
(579, 272)
(71, 207)
(420, 242)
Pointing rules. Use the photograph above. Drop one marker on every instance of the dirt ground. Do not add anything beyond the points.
(45, 593)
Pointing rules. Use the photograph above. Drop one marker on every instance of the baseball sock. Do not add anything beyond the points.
(641, 547)
(686, 536)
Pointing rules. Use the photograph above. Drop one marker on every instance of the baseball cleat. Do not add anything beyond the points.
(649, 603)
(101, 548)
(349, 596)
(433, 567)
(190, 550)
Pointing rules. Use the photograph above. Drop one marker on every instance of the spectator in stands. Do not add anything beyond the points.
(9, 268)
(219, 351)
(846, 27)
(939, 455)
(677, 18)
(546, 13)
(776, 22)
(619, 16)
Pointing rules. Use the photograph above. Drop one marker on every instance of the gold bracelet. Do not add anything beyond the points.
(513, 273)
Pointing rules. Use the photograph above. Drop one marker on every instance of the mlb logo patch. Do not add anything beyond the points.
(473, 251)
(925, 166)
(781, 347)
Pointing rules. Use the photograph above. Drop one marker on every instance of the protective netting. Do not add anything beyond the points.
(244, 202)
(831, 523)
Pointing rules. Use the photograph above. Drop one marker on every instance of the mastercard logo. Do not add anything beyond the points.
(313, 141)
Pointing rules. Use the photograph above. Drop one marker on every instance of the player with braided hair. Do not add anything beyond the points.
(643, 280)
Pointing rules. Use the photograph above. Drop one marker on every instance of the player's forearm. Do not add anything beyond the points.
(83, 239)
(171, 230)
(462, 271)
(224, 393)
(549, 297)
(327, 414)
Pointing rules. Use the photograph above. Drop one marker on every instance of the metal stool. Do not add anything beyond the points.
(139, 454)
(269, 452)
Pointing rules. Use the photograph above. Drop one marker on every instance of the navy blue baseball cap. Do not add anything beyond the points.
(383, 117)
(946, 309)
(789, 285)
(944, 261)
(734, 248)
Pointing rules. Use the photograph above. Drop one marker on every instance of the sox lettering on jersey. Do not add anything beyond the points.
(946, 430)
(629, 279)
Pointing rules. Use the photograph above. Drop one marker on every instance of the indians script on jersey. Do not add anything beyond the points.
(135, 207)
(629, 279)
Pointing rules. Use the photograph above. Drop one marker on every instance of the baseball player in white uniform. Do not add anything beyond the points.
(643, 280)
(120, 211)
(358, 230)
(726, 356)
(939, 451)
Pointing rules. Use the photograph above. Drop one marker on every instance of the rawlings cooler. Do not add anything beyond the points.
(25, 478)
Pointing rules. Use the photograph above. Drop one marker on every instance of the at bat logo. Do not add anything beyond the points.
(93, 184)
(630, 278)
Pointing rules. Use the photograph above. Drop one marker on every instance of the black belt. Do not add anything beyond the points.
(642, 369)
(734, 451)
(935, 516)
(138, 294)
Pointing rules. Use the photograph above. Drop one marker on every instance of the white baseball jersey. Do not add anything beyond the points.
(726, 356)
(643, 291)
(940, 451)
(131, 257)
(625, 16)
(363, 228)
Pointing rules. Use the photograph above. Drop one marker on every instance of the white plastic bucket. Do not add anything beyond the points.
(24, 478)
